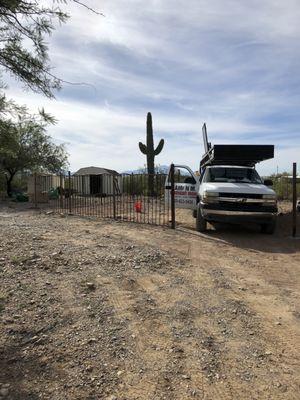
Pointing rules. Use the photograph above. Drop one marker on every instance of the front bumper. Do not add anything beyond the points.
(263, 215)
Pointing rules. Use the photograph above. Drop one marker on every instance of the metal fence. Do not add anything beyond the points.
(134, 198)
(283, 186)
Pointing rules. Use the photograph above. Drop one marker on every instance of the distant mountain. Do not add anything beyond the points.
(162, 169)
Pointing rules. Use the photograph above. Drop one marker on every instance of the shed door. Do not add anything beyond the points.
(96, 184)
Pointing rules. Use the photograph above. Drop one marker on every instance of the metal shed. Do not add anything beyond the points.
(97, 181)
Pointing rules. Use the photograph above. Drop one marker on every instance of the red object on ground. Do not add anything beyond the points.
(138, 207)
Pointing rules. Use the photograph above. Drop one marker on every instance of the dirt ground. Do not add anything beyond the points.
(94, 309)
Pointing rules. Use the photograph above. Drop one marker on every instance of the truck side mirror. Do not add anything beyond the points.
(268, 182)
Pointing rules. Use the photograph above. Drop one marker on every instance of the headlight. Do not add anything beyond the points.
(269, 196)
(210, 197)
(270, 199)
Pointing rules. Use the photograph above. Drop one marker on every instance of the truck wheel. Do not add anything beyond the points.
(201, 224)
(268, 228)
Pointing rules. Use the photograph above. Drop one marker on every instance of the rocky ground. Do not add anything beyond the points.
(95, 309)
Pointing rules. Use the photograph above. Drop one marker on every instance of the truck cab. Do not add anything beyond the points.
(227, 187)
(235, 194)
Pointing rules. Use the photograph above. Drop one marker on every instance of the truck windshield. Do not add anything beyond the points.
(224, 174)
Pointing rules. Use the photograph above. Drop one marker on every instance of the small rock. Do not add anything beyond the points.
(91, 286)
(119, 373)
(283, 388)
(4, 391)
(186, 377)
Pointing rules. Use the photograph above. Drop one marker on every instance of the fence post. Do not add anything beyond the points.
(172, 196)
(114, 197)
(35, 191)
(294, 199)
(61, 191)
(70, 205)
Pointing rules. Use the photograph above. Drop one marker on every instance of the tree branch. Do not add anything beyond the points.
(88, 8)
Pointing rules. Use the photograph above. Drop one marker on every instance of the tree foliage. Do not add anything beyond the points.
(24, 24)
(23, 52)
(24, 27)
(25, 145)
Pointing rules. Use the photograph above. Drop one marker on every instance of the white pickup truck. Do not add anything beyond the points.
(225, 193)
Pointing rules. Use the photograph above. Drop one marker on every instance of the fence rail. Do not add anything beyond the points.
(134, 198)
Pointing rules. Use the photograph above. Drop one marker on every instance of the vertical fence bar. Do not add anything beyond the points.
(69, 180)
(158, 200)
(61, 192)
(294, 199)
(130, 198)
(35, 191)
(172, 197)
(122, 194)
(84, 189)
(114, 197)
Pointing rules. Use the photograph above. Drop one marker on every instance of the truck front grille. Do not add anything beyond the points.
(244, 195)
(250, 207)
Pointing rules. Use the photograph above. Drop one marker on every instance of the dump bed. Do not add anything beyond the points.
(237, 154)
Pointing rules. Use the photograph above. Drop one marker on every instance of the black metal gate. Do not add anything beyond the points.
(137, 198)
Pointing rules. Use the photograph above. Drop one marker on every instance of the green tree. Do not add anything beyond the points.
(24, 24)
(25, 145)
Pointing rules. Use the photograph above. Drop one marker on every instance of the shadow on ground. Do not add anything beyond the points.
(16, 368)
(249, 236)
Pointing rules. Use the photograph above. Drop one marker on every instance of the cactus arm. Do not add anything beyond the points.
(143, 148)
(159, 147)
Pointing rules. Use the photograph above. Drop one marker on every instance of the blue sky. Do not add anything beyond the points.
(232, 64)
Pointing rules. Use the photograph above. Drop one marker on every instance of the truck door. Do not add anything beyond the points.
(186, 185)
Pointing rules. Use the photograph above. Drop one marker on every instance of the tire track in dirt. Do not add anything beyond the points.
(256, 333)
(148, 335)
(198, 377)
(182, 367)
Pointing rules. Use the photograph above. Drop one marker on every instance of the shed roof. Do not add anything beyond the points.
(95, 171)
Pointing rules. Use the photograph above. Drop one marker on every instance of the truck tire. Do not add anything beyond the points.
(201, 224)
(268, 228)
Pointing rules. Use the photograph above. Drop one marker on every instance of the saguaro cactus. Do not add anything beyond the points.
(150, 152)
